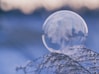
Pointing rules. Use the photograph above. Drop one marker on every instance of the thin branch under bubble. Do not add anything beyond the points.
(53, 63)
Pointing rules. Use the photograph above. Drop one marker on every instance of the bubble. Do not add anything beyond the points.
(64, 29)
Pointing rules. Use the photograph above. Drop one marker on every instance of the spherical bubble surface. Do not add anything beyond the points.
(64, 29)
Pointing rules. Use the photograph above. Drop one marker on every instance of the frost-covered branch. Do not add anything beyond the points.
(54, 63)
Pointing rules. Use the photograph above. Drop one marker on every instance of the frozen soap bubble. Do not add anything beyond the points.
(64, 30)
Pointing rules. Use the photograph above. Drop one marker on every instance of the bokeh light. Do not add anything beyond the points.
(28, 6)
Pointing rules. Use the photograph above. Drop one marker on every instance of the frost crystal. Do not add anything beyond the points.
(55, 63)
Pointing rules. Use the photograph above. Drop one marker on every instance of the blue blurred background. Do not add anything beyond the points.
(21, 30)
